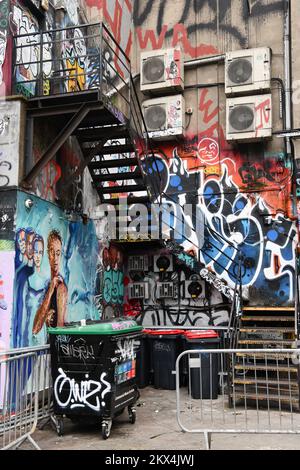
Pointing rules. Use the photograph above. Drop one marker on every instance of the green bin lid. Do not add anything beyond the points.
(116, 327)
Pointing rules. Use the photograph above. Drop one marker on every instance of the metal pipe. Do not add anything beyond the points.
(287, 72)
(205, 60)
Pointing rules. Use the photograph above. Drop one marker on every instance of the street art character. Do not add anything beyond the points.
(53, 308)
(35, 293)
(24, 269)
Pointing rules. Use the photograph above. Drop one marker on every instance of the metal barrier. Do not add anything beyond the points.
(25, 394)
(238, 391)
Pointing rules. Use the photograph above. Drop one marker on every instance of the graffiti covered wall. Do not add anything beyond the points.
(243, 191)
(55, 266)
(203, 27)
(10, 138)
(113, 282)
(207, 307)
(244, 195)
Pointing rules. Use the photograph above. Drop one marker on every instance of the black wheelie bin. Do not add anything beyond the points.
(202, 367)
(94, 371)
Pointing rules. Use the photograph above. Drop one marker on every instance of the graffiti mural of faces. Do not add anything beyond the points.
(39, 301)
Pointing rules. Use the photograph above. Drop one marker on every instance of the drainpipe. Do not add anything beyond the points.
(287, 73)
(288, 112)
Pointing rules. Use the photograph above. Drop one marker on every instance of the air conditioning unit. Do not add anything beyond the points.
(249, 118)
(194, 289)
(138, 290)
(163, 263)
(162, 70)
(166, 290)
(248, 71)
(138, 263)
(165, 117)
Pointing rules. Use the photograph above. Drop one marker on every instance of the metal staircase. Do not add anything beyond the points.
(267, 379)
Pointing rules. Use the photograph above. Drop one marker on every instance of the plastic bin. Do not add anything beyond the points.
(202, 368)
(166, 345)
(94, 371)
(143, 361)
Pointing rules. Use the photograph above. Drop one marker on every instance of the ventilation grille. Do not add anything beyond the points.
(154, 70)
(138, 290)
(242, 118)
(240, 72)
(138, 263)
(156, 117)
(167, 290)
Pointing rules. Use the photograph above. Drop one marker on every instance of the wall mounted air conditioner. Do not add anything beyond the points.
(194, 289)
(138, 290)
(163, 263)
(249, 118)
(166, 290)
(162, 70)
(138, 263)
(165, 117)
(248, 71)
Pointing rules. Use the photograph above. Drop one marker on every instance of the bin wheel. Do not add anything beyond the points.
(60, 426)
(132, 414)
(105, 431)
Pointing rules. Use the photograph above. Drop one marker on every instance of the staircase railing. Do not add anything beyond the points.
(233, 329)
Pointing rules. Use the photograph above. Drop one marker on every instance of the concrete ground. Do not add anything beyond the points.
(156, 428)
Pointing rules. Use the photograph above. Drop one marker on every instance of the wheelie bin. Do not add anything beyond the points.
(143, 361)
(166, 345)
(202, 369)
(94, 371)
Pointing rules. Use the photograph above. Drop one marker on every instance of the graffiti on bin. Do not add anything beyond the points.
(78, 350)
(125, 349)
(123, 325)
(161, 346)
(87, 393)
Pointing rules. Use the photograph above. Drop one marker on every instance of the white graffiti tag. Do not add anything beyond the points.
(87, 393)
(217, 283)
(126, 349)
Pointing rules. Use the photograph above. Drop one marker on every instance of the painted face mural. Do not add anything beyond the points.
(38, 251)
(57, 288)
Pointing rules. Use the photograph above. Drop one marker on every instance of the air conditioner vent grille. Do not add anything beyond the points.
(155, 117)
(154, 70)
(241, 118)
(240, 71)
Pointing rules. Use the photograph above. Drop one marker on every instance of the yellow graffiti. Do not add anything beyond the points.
(76, 74)
(46, 87)
(212, 170)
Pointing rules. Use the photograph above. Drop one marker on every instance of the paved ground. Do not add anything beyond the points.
(156, 428)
